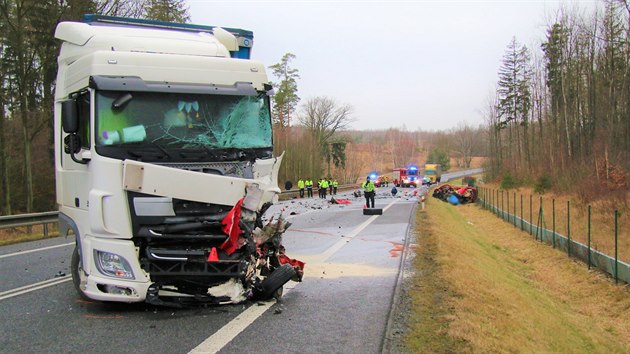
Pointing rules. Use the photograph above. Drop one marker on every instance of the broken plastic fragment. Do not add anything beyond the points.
(231, 228)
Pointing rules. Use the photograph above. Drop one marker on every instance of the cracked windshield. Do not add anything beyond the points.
(182, 120)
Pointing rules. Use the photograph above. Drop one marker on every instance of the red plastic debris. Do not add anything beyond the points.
(284, 259)
(231, 228)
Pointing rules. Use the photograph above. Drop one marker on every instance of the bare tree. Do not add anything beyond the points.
(124, 8)
(323, 117)
(465, 142)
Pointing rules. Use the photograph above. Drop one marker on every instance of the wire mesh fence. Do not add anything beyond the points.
(600, 238)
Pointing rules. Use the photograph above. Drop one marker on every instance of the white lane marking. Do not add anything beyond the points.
(36, 250)
(227, 333)
(32, 287)
(342, 242)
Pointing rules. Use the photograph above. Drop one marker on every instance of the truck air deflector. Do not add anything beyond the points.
(244, 38)
(136, 84)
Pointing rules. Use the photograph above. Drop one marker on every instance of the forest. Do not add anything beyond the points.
(561, 115)
(559, 118)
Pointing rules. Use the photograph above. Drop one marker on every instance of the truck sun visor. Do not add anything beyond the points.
(134, 83)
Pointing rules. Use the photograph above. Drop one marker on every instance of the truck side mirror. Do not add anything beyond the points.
(70, 125)
(69, 117)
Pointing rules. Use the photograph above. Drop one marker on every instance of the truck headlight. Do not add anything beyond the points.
(113, 265)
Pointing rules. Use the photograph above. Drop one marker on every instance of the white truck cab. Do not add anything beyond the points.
(164, 164)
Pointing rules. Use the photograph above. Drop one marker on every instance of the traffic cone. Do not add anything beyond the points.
(213, 256)
(364, 206)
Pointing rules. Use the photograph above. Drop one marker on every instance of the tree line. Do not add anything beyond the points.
(317, 142)
(28, 53)
(562, 113)
(313, 134)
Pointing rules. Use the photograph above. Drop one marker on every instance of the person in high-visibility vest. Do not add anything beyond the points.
(323, 185)
(368, 190)
(309, 187)
(301, 187)
(330, 186)
(335, 184)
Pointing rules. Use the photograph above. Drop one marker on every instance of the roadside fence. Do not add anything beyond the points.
(515, 209)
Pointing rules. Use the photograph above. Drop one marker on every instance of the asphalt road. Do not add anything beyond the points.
(342, 306)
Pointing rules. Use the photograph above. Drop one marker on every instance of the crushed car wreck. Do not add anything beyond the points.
(455, 196)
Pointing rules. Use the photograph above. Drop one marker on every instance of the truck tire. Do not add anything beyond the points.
(76, 268)
(372, 211)
(272, 286)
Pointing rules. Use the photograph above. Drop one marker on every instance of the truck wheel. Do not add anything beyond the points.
(76, 268)
(272, 286)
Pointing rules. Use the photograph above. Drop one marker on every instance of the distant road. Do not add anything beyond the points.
(459, 174)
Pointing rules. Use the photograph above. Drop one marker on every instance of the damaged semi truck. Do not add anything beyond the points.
(164, 164)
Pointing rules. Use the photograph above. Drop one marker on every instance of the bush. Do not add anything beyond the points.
(543, 184)
(508, 181)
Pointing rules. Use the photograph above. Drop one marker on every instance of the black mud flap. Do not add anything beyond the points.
(372, 211)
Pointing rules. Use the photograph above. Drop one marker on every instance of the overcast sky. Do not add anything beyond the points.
(419, 64)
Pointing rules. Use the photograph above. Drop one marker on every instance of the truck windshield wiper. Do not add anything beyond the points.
(145, 151)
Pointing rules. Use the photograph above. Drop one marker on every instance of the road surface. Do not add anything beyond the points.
(342, 305)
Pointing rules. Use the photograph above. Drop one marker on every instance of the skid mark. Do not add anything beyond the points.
(104, 316)
(87, 302)
(312, 232)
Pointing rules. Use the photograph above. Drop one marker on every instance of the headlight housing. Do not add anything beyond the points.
(113, 265)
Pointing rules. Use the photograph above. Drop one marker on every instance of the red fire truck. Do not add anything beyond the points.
(408, 176)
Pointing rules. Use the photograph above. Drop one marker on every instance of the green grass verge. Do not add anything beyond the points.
(483, 286)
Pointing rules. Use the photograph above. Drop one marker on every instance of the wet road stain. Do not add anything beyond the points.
(396, 250)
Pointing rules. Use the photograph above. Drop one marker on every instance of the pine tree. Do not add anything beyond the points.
(168, 11)
(286, 98)
(515, 99)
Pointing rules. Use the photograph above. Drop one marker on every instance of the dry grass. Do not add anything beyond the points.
(21, 234)
(602, 219)
(503, 292)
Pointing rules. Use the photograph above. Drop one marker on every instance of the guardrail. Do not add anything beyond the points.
(45, 218)
(52, 217)
(288, 194)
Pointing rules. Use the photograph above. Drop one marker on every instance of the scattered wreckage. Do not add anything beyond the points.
(455, 196)
(247, 263)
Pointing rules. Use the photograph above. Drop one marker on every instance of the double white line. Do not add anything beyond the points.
(42, 284)
(32, 287)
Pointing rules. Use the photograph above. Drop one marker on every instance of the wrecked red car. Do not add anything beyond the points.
(455, 195)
